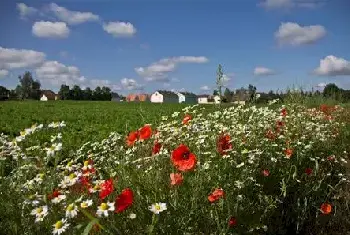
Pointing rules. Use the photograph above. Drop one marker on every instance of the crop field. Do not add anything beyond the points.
(141, 168)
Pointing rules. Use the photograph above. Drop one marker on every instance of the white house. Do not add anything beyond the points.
(43, 98)
(203, 99)
(182, 97)
(156, 97)
(216, 99)
(164, 97)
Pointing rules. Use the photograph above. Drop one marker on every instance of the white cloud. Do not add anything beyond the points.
(159, 70)
(262, 71)
(3, 73)
(294, 34)
(47, 29)
(56, 74)
(72, 17)
(287, 4)
(11, 58)
(205, 88)
(321, 85)
(131, 84)
(333, 66)
(119, 29)
(107, 83)
(25, 11)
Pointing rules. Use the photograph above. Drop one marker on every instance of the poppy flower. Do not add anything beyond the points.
(270, 135)
(232, 222)
(54, 194)
(326, 208)
(288, 152)
(308, 171)
(176, 178)
(223, 144)
(183, 159)
(124, 200)
(266, 172)
(145, 132)
(284, 112)
(106, 188)
(216, 195)
(156, 148)
(331, 158)
(279, 124)
(186, 119)
(132, 137)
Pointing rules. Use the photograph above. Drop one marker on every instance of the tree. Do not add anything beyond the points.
(219, 80)
(331, 90)
(252, 92)
(215, 92)
(28, 89)
(87, 94)
(106, 93)
(35, 91)
(227, 95)
(64, 92)
(97, 93)
(4, 93)
(77, 93)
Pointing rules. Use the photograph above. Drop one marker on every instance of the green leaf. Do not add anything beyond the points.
(89, 226)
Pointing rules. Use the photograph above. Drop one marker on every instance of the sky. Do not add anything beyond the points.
(135, 46)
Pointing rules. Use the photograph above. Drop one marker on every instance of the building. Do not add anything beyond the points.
(202, 99)
(188, 98)
(138, 98)
(164, 97)
(48, 95)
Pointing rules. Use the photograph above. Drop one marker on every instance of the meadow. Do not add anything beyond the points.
(138, 168)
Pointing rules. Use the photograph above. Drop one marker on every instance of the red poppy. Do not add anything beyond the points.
(308, 171)
(216, 195)
(270, 135)
(106, 188)
(279, 123)
(326, 208)
(223, 144)
(124, 200)
(266, 172)
(84, 181)
(132, 137)
(232, 222)
(326, 109)
(183, 159)
(288, 152)
(54, 194)
(331, 158)
(284, 112)
(156, 148)
(176, 178)
(145, 132)
(186, 119)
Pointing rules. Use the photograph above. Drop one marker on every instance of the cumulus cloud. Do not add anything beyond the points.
(262, 71)
(3, 73)
(120, 29)
(287, 4)
(107, 83)
(11, 58)
(72, 17)
(204, 88)
(333, 66)
(131, 84)
(295, 34)
(160, 70)
(321, 85)
(25, 11)
(47, 29)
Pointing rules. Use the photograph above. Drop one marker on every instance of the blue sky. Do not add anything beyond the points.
(146, 45)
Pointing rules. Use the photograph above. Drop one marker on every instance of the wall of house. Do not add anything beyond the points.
(191, 100)
(203, 100)
(43, 98)
(171, 99)
(182, 98)
(156, 98)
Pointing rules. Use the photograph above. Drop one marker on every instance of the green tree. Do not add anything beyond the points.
(77, 93)
(331, 90)
(35, 91)
(97, 93)
(106, 93)
(28, 88)
(227, 95)
(215, 92)
(219, 80)
(64, 92)
(87, 94)
(252, 92)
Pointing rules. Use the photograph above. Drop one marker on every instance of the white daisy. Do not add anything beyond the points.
(157, 207)
(60, 226)
(40, 213)
(132, 216)
(69, 180)
(71, 211)
(86, 204)
(58, 199)
(104, 208)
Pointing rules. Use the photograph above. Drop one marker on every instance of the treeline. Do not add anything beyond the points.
(76, 93)
(29, 88)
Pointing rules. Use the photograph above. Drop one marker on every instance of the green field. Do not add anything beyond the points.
(86, 120)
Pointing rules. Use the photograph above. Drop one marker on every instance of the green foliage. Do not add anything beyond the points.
(28, 88)
(219, 80)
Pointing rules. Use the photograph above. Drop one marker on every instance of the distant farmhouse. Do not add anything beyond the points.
(162, 96)
(203, 99)
(48, 95)
(137, 98)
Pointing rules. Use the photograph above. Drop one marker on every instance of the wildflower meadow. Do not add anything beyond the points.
(244, 169)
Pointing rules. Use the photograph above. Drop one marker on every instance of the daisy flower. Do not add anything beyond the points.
(40, 213)
(86, 204)
(158, 207)
(104, 208)
(60, 226)
(71, 211)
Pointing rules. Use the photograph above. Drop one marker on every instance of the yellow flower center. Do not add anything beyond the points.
(70, 207)
(158, 207)
(58, 224)
(23, 133)
(104, 206)
(86, 163)
(84, 205)
(52, 148)
(72, 176)
(96, 187)
(70, 164)
(41, 175)
(39, 210)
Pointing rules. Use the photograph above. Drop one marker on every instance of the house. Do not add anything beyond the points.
(143, 97)
(203, 99)
(116, 97)
(162, 96)
(137, 98)
(190, 98)
(131, 97)
(215, 98)
(48, 95)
